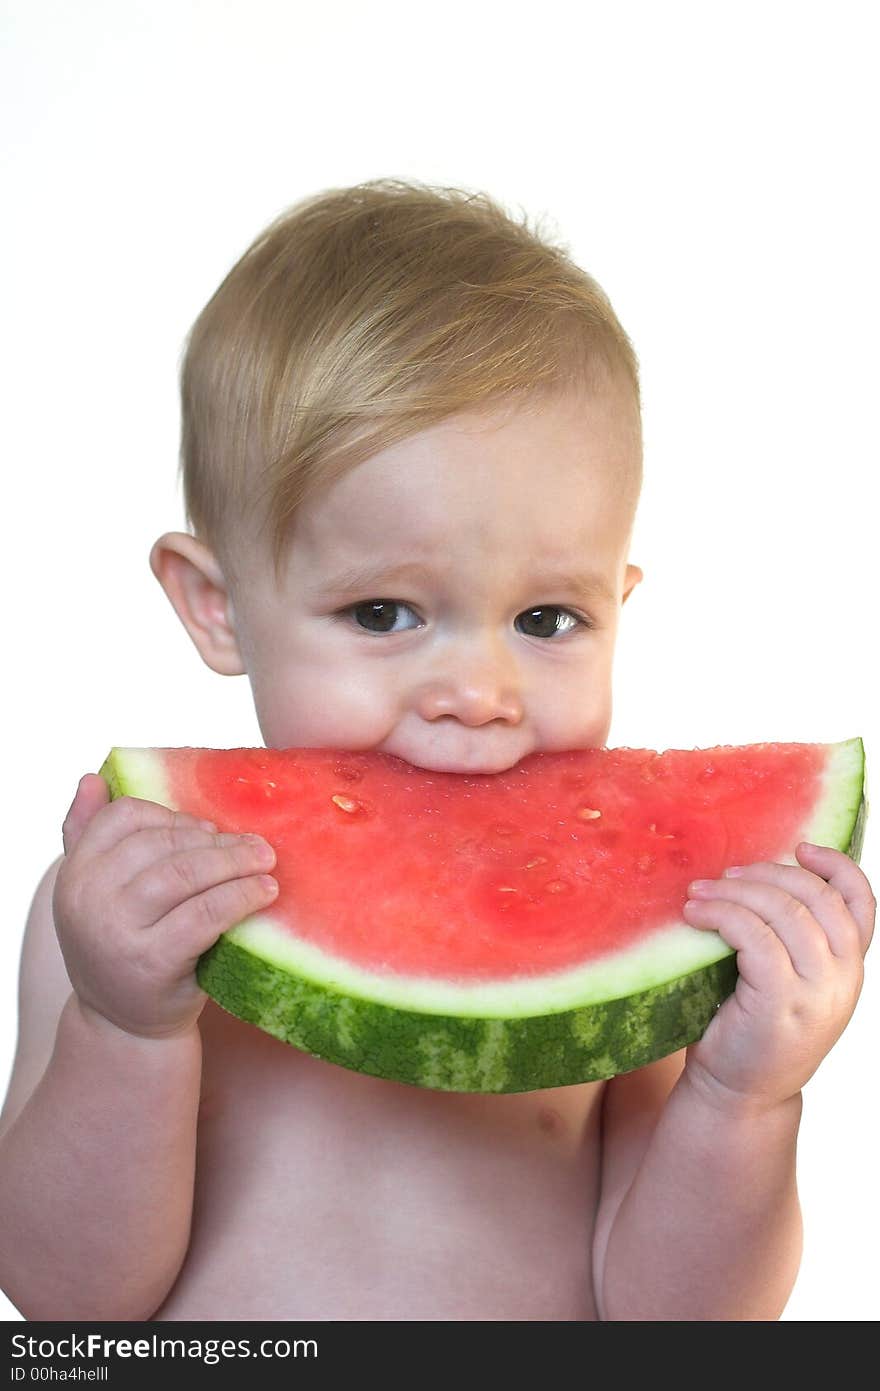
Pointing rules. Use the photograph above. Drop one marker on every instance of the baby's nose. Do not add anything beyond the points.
(474, 687)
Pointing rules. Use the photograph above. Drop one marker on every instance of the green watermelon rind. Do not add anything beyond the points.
(463, 1053)
(490, 1042)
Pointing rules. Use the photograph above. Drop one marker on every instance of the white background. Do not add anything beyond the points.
(714, 166)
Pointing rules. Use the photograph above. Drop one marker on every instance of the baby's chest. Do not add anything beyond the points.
(324, 1194)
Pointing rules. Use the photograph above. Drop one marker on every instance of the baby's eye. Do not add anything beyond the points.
(378, 616)
(380, 612)
(544, 619)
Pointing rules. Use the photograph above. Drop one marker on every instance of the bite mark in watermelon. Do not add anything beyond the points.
(499, 932)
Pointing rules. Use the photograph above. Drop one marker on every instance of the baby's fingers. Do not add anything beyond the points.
(790, 918)
(212, 886)
(92, 793)
(762, 960)
(165, 883)
(844, 875)
(99, 824)
(195, 925)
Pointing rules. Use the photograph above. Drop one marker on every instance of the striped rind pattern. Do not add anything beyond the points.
(459, 1052)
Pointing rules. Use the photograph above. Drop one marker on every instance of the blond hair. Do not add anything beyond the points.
(360, 316)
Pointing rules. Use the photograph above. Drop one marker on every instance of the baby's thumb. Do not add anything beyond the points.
(91, 794)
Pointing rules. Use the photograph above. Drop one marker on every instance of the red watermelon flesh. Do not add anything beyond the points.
(560, 859)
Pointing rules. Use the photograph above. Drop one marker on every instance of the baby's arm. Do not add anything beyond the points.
(96, 1162)
(699, 1214)
(98, 1134)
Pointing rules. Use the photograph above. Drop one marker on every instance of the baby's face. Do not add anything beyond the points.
(454, 600)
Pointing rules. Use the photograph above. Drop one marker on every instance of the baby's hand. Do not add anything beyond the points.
(801, 935)
(141, 893)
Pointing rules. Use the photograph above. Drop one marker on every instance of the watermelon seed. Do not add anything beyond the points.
(539, 860)
(587, 814)
(346, 803)
(343, 770)
(249, 782)
(506, 889)
(556, 886)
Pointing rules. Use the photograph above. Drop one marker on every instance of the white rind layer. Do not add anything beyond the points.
(844, 786)
(674, 949)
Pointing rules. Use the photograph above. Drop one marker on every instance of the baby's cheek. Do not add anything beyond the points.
(312, 708)
(575, 717)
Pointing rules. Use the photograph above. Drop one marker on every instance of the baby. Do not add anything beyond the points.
(411, 462)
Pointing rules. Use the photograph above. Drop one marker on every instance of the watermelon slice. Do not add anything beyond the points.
(498, 932)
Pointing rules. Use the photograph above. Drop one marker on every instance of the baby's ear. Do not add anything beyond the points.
(194, 583)
(634, 576)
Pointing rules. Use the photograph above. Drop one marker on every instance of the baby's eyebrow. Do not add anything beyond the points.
(366, 576)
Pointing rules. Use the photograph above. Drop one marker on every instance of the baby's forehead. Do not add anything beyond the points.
(456, 554)
(399, 515)
(542, 480)
(483, 469)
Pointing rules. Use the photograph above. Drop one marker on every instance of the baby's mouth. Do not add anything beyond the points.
(472, 767)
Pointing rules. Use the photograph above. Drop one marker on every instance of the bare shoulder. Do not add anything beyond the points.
(43, 989)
